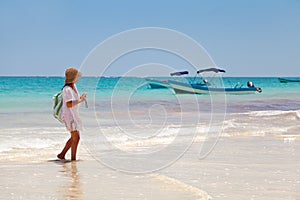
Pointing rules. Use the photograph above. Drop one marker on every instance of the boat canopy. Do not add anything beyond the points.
(179, 73)
(210, 70)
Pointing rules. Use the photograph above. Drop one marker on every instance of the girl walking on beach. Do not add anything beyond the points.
(70, 115)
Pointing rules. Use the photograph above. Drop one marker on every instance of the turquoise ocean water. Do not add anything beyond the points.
(129, 103)
(34, 94)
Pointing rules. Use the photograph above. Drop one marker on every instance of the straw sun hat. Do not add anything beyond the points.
(72, 75)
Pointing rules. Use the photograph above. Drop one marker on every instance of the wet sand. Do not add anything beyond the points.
(237, 168)
(87, 179)
(266, 168)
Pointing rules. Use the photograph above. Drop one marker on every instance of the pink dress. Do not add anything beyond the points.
(70, 116)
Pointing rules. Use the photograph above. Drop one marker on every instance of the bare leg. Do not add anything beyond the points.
(75, 140)
(65, 150)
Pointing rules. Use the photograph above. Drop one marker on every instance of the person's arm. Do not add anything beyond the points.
(70, 104)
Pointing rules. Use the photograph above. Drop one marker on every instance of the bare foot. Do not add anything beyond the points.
(61, 157)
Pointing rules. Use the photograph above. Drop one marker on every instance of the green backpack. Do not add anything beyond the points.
(57, 106)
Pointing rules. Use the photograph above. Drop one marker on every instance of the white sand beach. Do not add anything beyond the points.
(238, 168)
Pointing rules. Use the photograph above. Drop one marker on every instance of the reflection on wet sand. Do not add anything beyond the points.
(72, 187)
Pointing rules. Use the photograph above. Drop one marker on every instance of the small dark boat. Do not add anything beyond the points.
(285, 80)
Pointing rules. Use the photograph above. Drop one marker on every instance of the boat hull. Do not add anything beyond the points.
(184, 88)
(157, 84)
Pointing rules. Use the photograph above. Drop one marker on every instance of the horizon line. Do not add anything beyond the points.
(118, 76)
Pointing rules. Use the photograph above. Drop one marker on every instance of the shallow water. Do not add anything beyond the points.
(125, 109)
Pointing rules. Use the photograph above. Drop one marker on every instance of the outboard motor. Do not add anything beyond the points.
(258, 89)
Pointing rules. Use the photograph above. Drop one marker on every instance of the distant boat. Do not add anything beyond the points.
(206, 87)
(285, 80)
(162, 84)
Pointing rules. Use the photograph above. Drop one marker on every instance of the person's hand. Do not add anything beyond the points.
(83, 97)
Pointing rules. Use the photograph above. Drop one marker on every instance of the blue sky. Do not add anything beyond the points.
(248, 38)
